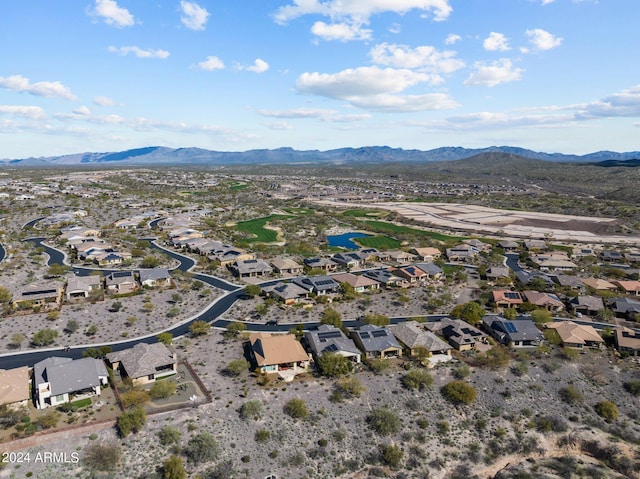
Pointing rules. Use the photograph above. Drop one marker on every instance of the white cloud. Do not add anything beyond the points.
(103, 101)
(279, 125)
(452, 38)
(211, 63)
(25, 111)
(317, 113)
(374, 88)
(343, 32)
(360, 10)
(543, 40)
(496, 42)
(194, 17)
(44, 88)
(82, 110)
(623, 104)
(139, 52)
(112, 14)
(395, 28)
(547, 2)
(426, 58)
(500, 71)
(259, 66)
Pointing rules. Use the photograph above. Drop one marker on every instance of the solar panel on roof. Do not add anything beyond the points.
(364, 334)
(378, 333)
(329, 335)
(511, 295)
(511, 328)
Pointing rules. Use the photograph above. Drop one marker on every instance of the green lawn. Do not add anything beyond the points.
(385, 227)
(256, 228)
(379, 242)
(299, 211)
(238, 186)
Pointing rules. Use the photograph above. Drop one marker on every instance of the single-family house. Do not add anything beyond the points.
(155, 277)
(43, 297)
(507, 298)
(599, 284)
(325, 264)
(569, 281)
(527, 277)
(359, 283)
(82, 286)
(251, 268)
(553, 264)
(495, 273)
(625, 307)
(629, 287)
(460, 334)
(286, 266)
(535, 245)
(611, 256)
(400, 257)
(632, 256)
(433, 270)
(627, 341)
(384, 277)
(462, 253)
(376, 342)
(279, 353)
(580, 252)
(351, 260)
(227, 255)
(587, 305)
(121, 282)
(577, 336)
(144, 363)
(318, 285)
(411, 274)
(329, 339)
(58, 380)
(14, 387)
(112, 258)
(548, 301)
(518, 333)
(287, 293)
(508, 245)
(428, 253)
(415, 339)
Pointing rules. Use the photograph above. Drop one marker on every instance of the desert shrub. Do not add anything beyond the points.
(607, 410)
(550, 424)
(10, 417)
(633, 387)
(377, 365)
(417, 379)
(131, 421)
(391, 455)
(49, 419)
(262, 435)
(496, 358)
(169, 435)
(199, 328)
(459, 392)
(173, 468)
(163, 389)
(236, 367)
(570, 395)
(135, 397)
(222, 470)
(102, 456)
(296, 408)
(384, 421)
(251, 409)
(333, 365)
(202, 447)
(462, 372)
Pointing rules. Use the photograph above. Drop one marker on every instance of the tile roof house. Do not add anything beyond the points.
(349, 260)
(288, 293)
(57, 380)
(286, 266)
(121, 282)
(82, 286)
(360, 283)
(577, 336)
(599, 284)
(325, 264)
(428, 253)
(507, 298)
(627, 341)
(508, 245)
(589, 305)
(14, 387)
(518, 333)
(496, 272)
(460, 334)
(568, 281)
(281, 353)
(251, 268)
(464, 253)
(144, 363)
(44, 297)
(318, 285)
(400, 257)
(629, 287)
(433, 270)
(329, 339)
(535, 245)
(548, 301)
(384, 277)
(155, 277)
(412, 274)
(414, 337)
(376, 342)
(625, 307)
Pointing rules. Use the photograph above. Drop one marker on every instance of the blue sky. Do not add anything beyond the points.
(108, 75)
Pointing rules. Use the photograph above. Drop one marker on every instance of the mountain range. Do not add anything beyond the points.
(159, 155)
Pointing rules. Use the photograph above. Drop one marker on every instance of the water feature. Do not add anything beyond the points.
(344, 240)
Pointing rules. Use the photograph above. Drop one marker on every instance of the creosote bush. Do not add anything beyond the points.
(296, 408)
(417, 379)
(384, 421)
(459, 392)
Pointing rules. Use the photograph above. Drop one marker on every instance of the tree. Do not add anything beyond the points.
(102, 456)
(334, 365)
(332, 317)
(72, 326)
(149, 262)
(199, 328)
(131, 421)
(296, 408)
(459, 392)
(607, 410)
(417, 379)
(376, 319)
(510, 314)
(233, 330)
(251, 409)
(202, 447)
(56, 270)
(252, 290)
(384, 421)
(44, 337)
(17, 339)
(135, 397)
(496, 358)
(169, 435)
(470, 312)
(165, 338)
(236, 367)
(163, 389)
(541, 316)
(173, 468)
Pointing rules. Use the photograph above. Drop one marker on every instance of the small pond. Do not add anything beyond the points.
(344, 240)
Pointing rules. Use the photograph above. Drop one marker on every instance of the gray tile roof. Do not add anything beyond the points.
(412, 335)
(329, 339)
(154, 274)
(376, 339)
(67, 376)
(143, 359)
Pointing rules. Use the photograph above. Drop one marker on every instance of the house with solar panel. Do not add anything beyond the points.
(318, 285)
(460, 334)
(329, 339)
(415, 338)
(287, 293)
(517, 334)
(376, 342)
(385, 277)
(121, 282)
(251, 268)
(507, 298)
(412, 274)
(39, 297)
(325, 264)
